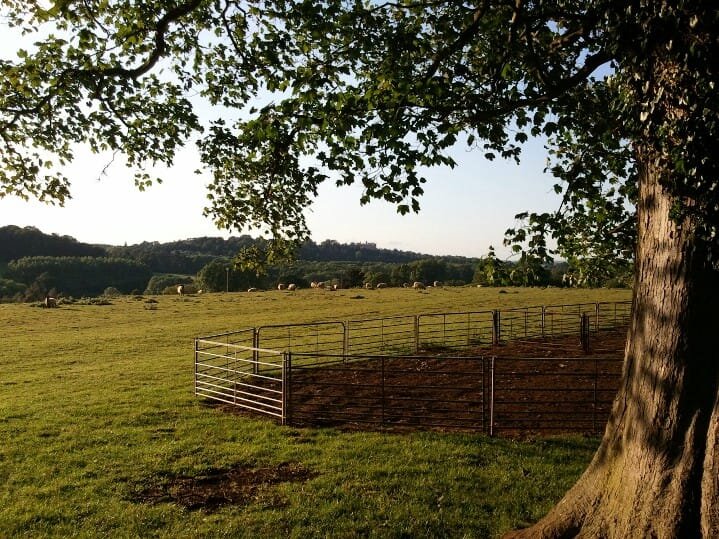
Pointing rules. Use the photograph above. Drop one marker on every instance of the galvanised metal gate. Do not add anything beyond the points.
(247, 377)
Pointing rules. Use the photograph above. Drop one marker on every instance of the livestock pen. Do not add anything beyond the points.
(545, 368)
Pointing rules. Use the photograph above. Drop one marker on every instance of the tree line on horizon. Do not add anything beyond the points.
(33, 264)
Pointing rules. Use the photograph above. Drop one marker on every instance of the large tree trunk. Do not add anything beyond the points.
(656, 472)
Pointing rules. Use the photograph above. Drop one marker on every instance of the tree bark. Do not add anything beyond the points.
(656, 472)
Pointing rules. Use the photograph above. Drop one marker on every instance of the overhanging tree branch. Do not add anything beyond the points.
(462, 40)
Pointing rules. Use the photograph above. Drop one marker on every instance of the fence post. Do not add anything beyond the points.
(382, 407)
(491, 396)
(197, 349)
(584, 332)
(469, 331)
(496, 326)
(345, 340)
(255, 351)
(416, 334)
(286, 387)
(381, 336)
(594, 409)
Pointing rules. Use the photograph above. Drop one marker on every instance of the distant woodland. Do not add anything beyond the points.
(34, 264)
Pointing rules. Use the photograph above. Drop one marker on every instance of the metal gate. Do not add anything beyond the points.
(244, 376)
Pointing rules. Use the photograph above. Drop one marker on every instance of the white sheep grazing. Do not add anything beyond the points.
(322, 285)
(368, 286)
(418, 286)
(381, 285)
(180, 289)
(50, 302)
(292, 286)
(313, 284)
(335, 287)
(281, 286)
(252, 290)
(405, 285)
(436, 284)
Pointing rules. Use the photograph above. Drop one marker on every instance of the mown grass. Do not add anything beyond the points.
(96, 404)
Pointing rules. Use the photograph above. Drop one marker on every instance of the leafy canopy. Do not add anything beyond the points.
(370, 92)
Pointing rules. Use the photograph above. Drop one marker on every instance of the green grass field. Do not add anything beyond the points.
(97, 404)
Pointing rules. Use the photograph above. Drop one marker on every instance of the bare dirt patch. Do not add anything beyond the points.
(240, 485)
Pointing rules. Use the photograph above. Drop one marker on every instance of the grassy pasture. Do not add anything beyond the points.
(96, 404)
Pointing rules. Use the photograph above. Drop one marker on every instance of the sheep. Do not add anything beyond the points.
(313, 284)
(50, 302)
(368, 286)
(292, 286)
(436, 284)
(335, 287)
(252, 289)
(405, 285)
(381, 285)
(180, 289)
(322, 285)
(418, 285)
(281, 286)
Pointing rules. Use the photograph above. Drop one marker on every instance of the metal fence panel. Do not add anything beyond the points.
(318, 338)
(553, 394)
(521, 323)
(613, 315)
(390, 392)
(393, 335)
(454, 330)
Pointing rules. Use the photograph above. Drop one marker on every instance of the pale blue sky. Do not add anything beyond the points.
(464, 210)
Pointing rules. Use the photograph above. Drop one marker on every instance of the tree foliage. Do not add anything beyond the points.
(79, 276)
(159, 282)
(221, 275)
(370, 94)
(17, 242)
